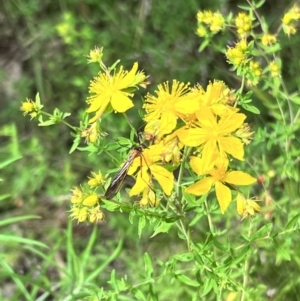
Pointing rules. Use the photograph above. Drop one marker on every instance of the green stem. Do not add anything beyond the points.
(130, 124)
(59, 120)
(210, 223)
(246, 266)
(186, 152)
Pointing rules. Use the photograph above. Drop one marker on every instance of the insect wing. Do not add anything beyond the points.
(119, 178)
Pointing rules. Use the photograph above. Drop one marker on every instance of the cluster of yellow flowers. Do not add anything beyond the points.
(180, 120)
(290, 20)
(240, 55)
(243, 25)
(86, 203)
(209, 22)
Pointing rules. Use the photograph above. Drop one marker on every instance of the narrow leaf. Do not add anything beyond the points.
(142, 223)
(185, 279)
(148, 265)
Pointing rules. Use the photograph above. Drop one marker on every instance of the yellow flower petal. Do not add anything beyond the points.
(163, 177)
(168, 123)
(231, 122)
(239, 178)
(121, 102)
(223, 195)
(241, 204)
(91, 200)
(134, 166)
(142, 182)
(246, 207)
(206, 118)
(130, 76)
(210, 153)
(232, 146)
(201, 187)
(196, 164)
(192, 137)
(186, 105)
(97, 103)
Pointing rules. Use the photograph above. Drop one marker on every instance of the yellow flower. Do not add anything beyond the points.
(215, 21)
(149, 197)
(95, 55)
(217, 96)
(77, 196)
(289, 20)
(237, 55)
(96, 180)
(245, 133)
(274, 68)
(167, 105)
(113, 89)
(201, 31)
(268, 39)
(292, 15)
(205, 16)
(171, 147)
(215, 135)
(148, 168)
(254, 73)
(217, 177)
(79, 213)
(90, 200)
(95, 215)
(244, 24)
(31, 108)
(246, 207)
(93, 133)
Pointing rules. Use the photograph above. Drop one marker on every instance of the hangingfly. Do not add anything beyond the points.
(117, 181)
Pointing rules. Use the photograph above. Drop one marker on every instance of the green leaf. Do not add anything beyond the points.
(13, 220)
(148, 265)
(244, 7)
(4, 196)
(139, 294)
(47, 123)
(295, 99)
(262, 232)
(142, 223)
(111, 206)
(198, 258)
(162, 228)
(19, 240)
(250, 108)
(293, 222)
(172, 219)
(204, 44)
(76, 142)
(113, 281)
(37, 99)
(65, 115)
(283, 253)
(9, 161)
(185, 257)
(185, 279)
(113, 66)
(258, 4)
(242, 255)
(208, 285)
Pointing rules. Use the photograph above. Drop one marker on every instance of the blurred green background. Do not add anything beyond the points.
(43, 49)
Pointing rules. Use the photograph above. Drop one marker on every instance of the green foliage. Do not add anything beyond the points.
(167, 253)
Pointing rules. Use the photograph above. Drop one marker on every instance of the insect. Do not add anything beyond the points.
(118, 180)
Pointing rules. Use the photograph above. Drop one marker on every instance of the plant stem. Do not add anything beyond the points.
(246, 266)
(59, 120)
